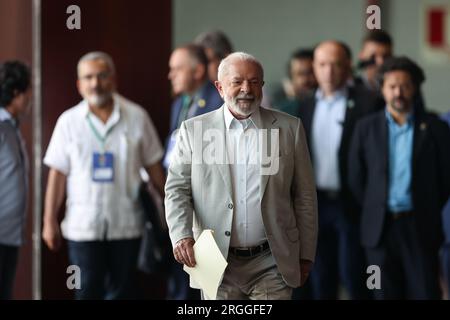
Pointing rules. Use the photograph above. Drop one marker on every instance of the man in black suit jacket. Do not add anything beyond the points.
(329, 117)
(399, 172)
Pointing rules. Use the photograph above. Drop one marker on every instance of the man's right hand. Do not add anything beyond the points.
(184, 252)
(51, 234)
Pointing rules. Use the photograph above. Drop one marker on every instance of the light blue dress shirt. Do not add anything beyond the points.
(400, 164)
(327, 128)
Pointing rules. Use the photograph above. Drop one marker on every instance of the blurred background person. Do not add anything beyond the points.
(376, 48)
(15, 98)
(445, 250)
(217, 46)
(194, 91)
(195, 95)
(96, 152)
(399, 172)
(329, 116)
(301, 81)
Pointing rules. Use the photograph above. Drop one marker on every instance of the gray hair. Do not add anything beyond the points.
(98, 55)
(241, 56)
(217, 41)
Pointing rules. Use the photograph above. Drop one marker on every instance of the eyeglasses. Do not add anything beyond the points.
(100, 76)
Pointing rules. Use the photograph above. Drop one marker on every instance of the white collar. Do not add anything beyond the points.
(255, 118)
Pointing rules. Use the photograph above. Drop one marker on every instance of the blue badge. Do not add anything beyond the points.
(103, 167)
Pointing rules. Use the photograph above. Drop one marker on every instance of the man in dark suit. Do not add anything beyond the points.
(329, 117)
(398, 170)
(445, 249)
(196, 95)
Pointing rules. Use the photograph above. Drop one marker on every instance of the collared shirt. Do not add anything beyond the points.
(400, 164)
(13, 181)
(96, 211)
(243, 156)
(327, 128)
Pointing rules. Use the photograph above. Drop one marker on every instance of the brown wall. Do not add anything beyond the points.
(138, 36)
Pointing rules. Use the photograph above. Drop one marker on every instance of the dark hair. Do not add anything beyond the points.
(14, 79)
(197, 53)
(300, 54)
(217, 41)
(402, 64)
(378, 36)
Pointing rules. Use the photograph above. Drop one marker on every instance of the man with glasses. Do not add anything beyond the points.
(95, 154)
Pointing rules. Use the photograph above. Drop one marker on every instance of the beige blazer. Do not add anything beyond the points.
(199, 192)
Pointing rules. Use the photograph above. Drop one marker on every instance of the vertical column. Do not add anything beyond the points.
(37, 151)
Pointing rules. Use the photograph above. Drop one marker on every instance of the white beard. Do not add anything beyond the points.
(97, 100)
(244, 112)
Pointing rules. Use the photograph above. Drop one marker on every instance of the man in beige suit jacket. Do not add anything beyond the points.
(262, 208)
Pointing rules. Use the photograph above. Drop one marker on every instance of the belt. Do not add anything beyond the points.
(250, 252)
(328, 194)
(399, 215)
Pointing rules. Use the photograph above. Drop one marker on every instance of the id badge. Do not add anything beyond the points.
(103, 167)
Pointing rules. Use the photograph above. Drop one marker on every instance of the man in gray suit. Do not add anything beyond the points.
(15, 99)
(263, 209)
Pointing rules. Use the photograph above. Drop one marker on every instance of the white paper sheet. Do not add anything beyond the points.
(210, 266)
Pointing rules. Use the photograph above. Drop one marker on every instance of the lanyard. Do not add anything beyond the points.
(99, 137)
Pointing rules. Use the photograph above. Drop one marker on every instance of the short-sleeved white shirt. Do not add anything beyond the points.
(96, 211)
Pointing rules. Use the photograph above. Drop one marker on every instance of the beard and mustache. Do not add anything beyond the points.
(243, 104)
(401, 104)
(98, 98)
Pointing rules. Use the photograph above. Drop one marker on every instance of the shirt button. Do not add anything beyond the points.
(230, 206)
(227, 233)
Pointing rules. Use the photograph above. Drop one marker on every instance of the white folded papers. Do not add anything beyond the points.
(210, 264)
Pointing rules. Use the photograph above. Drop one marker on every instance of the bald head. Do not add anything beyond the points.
(332, 65)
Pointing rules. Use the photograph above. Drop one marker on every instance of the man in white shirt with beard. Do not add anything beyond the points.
(96, 152)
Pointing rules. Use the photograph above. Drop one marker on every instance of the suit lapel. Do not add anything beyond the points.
(420, 132)
(218, 123)
(307, 116)
(268, 122)
(383, 142)
(350, 114)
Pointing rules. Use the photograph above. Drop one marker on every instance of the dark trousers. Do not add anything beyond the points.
(445, 260)
(408, 271)
(178, 284)
(108, 268)
(8, 264)
(339, 257)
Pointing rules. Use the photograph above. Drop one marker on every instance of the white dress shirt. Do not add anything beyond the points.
(327, 127)
(96, 211)
(244, 159)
